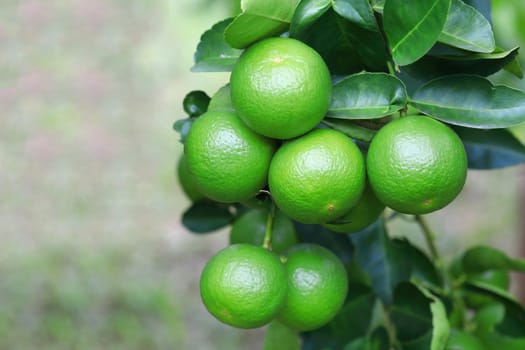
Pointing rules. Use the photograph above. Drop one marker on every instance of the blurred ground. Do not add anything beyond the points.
(92, 252)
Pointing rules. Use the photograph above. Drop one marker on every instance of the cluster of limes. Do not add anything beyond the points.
(264, 131)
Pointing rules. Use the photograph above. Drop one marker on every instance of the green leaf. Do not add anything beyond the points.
(482, 258)
(306, 13)
(350, 129)
(440, 325)
(514, 67)
(182, 126)
(346, 47)
(471, 101)
(205, 217)
(434, 66)
(410, 312)
(378, 340)
(336, 242)
(489, 316)
(491, 149)
(196, 103)
(280, 337)
(259, 20)
(467, 29)
(495, 341)
(358, 12)
(413, 27)
(483, 6)
(367, 96)
(371, 254)
(213, 53)
(345, 327)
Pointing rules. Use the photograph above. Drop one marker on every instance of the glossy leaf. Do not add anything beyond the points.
(205, 217)
(345, 47)
(306, 13)
(471, 101)
(358, 12)
(413, 27)
(367, 96)
(280, 337)
(258, 20)
(491, 149)
(213, 52)
(466, 28)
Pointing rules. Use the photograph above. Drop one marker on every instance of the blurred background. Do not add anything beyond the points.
(92, 253)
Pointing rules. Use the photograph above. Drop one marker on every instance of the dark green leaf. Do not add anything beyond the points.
(345, 47)
(471, 101)
(204, 217)
(196, 103)
(489, 316)
(413, 27)
(378, 257)
(378, 340)
(213, 53)
(259, 20)
(336, 242)
(306, 13)
(367, 96)
(421, 268)
(345, 327)
(430, 67)
(358, 12)
(410, 312)
(466, 28)
(280, 337)
(483, 258)
(514, 67)
(491, 149)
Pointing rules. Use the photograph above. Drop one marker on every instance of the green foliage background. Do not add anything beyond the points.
(93, 254)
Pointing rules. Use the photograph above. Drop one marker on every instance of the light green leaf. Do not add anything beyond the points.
(213, 54)
(258, 20)
(440, 325)
(413, 27)
(367, 96)
(471, 101)
(357, 11)
(482, 258)
(468, 29)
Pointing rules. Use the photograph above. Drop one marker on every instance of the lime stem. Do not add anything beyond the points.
(429, 236)
(267, 243)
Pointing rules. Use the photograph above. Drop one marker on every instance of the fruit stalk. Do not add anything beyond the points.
(267, 243)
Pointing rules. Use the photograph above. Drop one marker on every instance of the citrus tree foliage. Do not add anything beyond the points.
(386, 57)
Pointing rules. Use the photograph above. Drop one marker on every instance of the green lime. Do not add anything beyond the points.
(317, 287)
(281, 88)
(187, 181)
(317, 177)
(244, 286)
(416, 165)
(228, 160)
